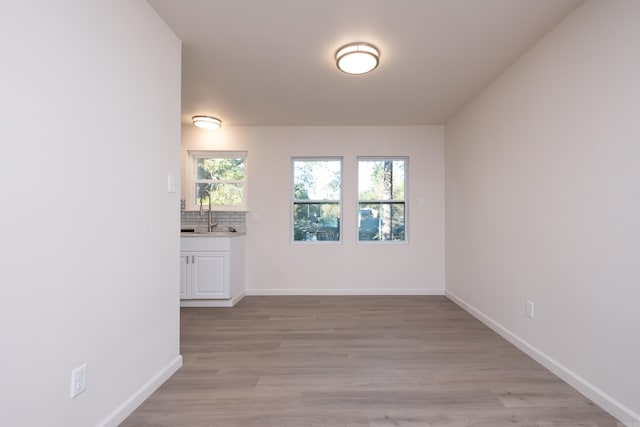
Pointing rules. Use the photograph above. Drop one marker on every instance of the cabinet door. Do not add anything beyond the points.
(209, 275)
(185, 275)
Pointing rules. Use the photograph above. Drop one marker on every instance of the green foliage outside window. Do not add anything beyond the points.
(223, 178)
(316, 194)
(381, 199)
(381, 180)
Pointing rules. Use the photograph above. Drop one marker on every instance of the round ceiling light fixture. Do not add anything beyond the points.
(357, 58)
(207, 122)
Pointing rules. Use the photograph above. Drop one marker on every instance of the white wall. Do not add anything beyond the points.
(276, 266)
(90, 130)
(543, 203)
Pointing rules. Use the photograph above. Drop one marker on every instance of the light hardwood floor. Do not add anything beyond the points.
(373, 361)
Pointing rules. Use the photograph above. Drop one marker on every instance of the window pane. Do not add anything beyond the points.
(381, 179)
(316, 179)
(221, 194)
(220, 169)
(381, 221)
(316, 221)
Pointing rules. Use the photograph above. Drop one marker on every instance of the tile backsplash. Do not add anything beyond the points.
(192, 219)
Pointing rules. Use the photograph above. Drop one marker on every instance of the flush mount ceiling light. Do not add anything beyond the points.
(357, 58)
(207, 122)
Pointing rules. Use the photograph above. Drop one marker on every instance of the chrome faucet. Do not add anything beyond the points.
(210, 223)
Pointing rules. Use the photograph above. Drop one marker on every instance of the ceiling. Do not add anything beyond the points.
(258, 62)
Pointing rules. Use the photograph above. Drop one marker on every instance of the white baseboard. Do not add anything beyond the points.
(119, 414)
(283, 292)
(627, 416)
(211, 302)
(237, 299)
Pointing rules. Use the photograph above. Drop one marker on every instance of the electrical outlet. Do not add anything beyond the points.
(529, 309)
(78, 380)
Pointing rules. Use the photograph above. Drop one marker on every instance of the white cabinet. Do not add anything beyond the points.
(185, 275)
(202, 275)
(211, 271)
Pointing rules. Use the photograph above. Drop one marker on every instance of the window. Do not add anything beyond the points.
(381, 199)
(317, 186)
(220, 175)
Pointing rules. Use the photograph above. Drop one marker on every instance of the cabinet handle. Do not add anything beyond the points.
(187, 259)
(193, 259)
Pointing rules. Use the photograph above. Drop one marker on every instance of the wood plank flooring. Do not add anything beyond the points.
(357, 361)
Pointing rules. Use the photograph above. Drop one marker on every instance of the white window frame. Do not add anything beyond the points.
(314, 201)
(405, 200)
(192, 180)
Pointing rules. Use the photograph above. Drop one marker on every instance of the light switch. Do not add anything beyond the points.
(171, 180)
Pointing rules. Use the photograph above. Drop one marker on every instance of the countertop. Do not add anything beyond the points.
(212, 234)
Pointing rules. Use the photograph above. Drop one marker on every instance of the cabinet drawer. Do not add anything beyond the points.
(204, 243)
